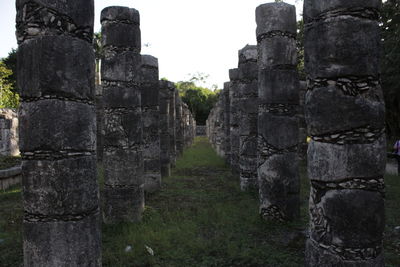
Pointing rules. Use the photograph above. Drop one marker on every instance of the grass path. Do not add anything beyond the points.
(200, 218)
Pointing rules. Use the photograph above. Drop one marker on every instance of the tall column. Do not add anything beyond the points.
(227, 123)
(164, 103)
(186, 113)
(179, 124)
(172, 123)
(58, 133)
(303, 145)
(234, 119)
(151, 127)
(247, 105)
(278, 131)
(123, 158)
(99, 122)
(345, 118)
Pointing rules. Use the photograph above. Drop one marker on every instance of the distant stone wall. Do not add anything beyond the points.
(9, 145)
(200, 130)
(10, 177)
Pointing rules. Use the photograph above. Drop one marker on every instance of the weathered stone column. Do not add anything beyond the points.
(247, 105)
(345, 119)
(186, 113)
(172, 123)
(227, 122)
(58, 133)
(99, 122)
(234, 119)
(164, 103)
(179, 124)
(303, 145)
(278, 92)
(151, 126)
(121, 75)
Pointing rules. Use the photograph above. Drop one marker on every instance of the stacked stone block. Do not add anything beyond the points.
(99, 122)
(58, 133)
(179, 131)
(151, 126)
(345, 119)
(234, 119)
(164, 103)
(247, 90)
(172, 124)
(303, 145)
(278, 92)
(121, 75)
(226, 111)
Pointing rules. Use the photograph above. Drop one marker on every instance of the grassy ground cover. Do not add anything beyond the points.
(200, 218)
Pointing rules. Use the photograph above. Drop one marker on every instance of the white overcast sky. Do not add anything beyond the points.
(187, 36)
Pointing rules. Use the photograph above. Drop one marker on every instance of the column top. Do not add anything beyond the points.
(121, 14)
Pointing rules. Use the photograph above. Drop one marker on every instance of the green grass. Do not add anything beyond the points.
(201, 218)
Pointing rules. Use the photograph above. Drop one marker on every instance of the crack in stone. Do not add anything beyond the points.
(117, 21)
(55, 155)
(30, 217)
(320, 188)
(358, 12)
(351, 254)
(275, 33)
(58, 97)
(113, 83)
(352, 86)
(121, 110)
(111, 51)
(278, 109)
(361, 135)
(266, 150)
(34, 20)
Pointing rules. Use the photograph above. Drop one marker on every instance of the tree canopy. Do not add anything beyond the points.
(200, 100)
(391, 64)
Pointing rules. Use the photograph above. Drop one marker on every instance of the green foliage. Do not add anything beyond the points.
(390, 64)
(200, 100)
(300, 49)
(11, 63)
(8, 97)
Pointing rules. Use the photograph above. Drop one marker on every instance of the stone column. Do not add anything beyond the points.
(227, 122)
(172, 123)
(187, 124)
(179, 124)
(345, 119)
(278, 131)
(247, 105)
(164, 103)
(151, 127)
(58, 133)
(99, 122)
(303, 145)
(234, 119)
(123, 157)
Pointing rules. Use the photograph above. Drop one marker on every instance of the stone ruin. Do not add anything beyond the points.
(344, 115)
(151, 125)
(345, 119)
(340, 107)
(278, 98)
(60, 105)
(57, 119)
(247, 107)
(9, 140)
(123, 194)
